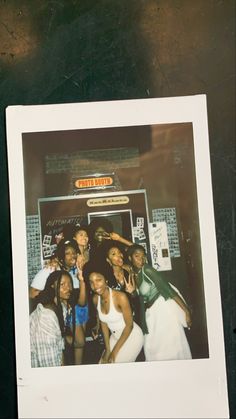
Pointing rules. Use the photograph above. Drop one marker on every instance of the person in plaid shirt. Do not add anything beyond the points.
(49, 330)
(66, 259)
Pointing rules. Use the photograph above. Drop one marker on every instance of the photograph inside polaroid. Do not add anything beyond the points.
(116, 257)
(153, 178)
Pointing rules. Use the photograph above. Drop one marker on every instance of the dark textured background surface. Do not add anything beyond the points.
(73, 51)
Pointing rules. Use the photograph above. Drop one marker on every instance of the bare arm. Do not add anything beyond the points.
(95, 329)
(167, 291)
(124, 306)
(82, 300)
(117, 237)
(106, 335)
(184, 307)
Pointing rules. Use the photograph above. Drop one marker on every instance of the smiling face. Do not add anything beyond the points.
(115, 257)
(138, 258)
(81, 238)
(97, 283)
(65, 288)
(99, 234)
(70, 257)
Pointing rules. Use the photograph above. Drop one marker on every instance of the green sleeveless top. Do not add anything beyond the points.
(150, 286)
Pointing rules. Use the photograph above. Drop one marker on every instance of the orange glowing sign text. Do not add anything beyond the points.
(93, 182)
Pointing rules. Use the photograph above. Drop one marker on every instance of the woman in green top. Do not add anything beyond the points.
(166, 313)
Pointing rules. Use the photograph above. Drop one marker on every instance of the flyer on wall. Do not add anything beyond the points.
(115, 272)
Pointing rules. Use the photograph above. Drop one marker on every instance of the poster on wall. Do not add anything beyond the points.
(168, 215)
(113, 282)
(159, 245)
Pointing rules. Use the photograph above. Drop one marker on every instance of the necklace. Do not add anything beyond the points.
(119, 275)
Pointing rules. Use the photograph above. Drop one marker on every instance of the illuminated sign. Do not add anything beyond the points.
(115, 200)
(94, 182)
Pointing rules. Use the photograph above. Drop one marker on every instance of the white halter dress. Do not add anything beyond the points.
(116, 324)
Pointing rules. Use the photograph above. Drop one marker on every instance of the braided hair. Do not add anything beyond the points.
(52, 290)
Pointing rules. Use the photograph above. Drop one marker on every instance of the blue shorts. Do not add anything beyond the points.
(81, 314)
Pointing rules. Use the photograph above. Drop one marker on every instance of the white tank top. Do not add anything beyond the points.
(114, 319)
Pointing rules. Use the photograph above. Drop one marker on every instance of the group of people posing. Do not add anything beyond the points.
(99, 280)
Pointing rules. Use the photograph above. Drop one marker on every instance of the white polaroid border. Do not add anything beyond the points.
(169, 389)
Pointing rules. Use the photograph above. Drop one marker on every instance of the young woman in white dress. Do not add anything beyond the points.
(166, 312)
(123, 338)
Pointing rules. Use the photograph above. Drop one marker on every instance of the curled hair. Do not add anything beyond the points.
(91, 267)
(99, 222)
(103, 268)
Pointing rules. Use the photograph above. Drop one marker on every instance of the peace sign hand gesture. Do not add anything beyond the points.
(130, 286)
(80, 261)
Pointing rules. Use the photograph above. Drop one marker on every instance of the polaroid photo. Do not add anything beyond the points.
(47, 252)
(140, 222)
(47, 240)
(162, 353)
(136, 231)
